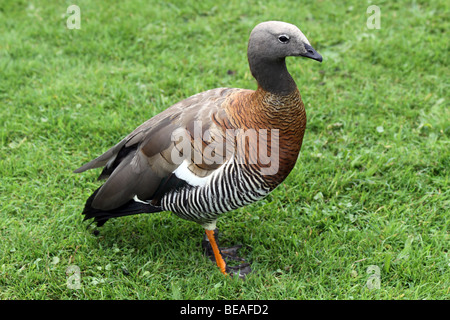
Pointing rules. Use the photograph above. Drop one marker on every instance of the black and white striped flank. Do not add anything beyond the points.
(232, 187)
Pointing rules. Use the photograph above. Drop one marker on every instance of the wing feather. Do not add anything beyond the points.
(143, 162)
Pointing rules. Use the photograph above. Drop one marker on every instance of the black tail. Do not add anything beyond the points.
(131, 207)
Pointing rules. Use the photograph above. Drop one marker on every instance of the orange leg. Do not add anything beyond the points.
(219, 260)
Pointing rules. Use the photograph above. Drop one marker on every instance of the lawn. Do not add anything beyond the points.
(363, 215)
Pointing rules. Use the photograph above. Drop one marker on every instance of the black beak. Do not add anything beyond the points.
(311, 53)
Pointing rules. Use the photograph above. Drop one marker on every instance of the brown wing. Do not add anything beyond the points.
(140, 163)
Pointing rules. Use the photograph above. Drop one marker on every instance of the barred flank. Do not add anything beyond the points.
(233, 187)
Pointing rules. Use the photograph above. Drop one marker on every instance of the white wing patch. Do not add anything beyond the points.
(183, 173)
(135, 198)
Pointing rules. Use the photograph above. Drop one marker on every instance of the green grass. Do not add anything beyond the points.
(371, 187)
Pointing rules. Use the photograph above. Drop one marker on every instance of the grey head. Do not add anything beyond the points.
(269, 44)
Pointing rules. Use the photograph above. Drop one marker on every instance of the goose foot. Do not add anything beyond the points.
(224, 255)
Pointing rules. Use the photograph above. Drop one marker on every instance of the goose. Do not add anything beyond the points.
(213, 152)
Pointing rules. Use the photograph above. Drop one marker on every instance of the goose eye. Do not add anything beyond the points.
(283, 38)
